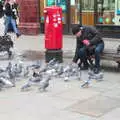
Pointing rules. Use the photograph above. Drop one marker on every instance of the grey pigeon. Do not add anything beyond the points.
(44, 83)
(32, 81)
(9, 67)
(35, 80)
(92, 76)
(6, 82)
(36, 65)
(25, 87)
(26, 71)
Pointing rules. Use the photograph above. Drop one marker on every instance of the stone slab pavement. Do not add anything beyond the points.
(36, 44)
(69, 42)
(63, 100)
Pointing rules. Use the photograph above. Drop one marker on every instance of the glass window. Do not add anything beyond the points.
(105, 11)
(75, 11)
(50, 2)
(109, 4)
(41, 11)
(88, 4)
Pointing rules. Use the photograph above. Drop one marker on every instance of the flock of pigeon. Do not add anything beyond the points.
(39, 74)
(48, 71)
(45, 72)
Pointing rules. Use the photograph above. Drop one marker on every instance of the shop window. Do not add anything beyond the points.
(50, 2)
(75, 11)
(87, 4)
(41, 11)
(105, 11)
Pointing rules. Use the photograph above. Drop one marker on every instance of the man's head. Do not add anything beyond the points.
(77, 30)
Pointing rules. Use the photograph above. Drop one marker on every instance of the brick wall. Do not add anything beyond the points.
(29, 17)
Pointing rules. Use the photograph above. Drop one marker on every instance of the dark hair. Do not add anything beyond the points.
(7, 6)
(76, 29)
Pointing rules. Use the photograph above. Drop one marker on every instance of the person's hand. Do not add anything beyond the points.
(86, 42)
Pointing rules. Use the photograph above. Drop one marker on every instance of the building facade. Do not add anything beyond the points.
(104, 14)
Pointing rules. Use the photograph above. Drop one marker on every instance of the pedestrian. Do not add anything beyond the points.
(2, 27)
(89, 41)
(10, 17)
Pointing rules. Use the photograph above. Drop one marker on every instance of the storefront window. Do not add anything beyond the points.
(87, 4)
(50, 2)
(88, 12)
(75, 11)
(105, 11)
(41, 11)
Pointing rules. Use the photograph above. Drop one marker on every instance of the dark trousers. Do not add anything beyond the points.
(83, 54)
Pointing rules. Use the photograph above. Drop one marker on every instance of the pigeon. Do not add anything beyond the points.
(66, 79)
(51, 72)
(1, 85)
(35, 80)
(2, 70)
(92, 75)
(25, 87)
(52, 62)
(44, 83)
(35, 74)
(6, 82)
(36, 65)
(97, 77)
(17, 69)
(60, 70)
(26, 71)
(32, 81)
(9, 67)
(12, 77)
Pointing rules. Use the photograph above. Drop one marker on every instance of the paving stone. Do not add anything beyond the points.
(113, 115)
(77, 94)
(96, 106)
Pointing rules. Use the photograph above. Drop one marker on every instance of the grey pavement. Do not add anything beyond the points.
(69, 42)
(36, 43)
(63, 100)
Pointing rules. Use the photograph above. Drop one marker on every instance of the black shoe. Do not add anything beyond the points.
(96, 70)
(5, 34)
(18, 35)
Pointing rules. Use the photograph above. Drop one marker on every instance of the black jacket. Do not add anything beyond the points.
(11, 10)
(8, 9)
(90, 33)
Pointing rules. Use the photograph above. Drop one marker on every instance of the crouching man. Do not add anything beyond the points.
(88, 38)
